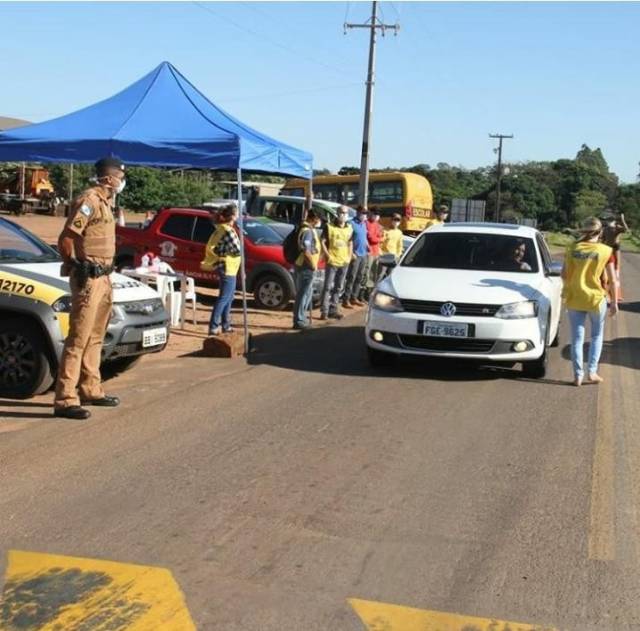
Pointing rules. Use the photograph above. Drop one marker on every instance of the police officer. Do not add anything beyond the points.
(87, 246)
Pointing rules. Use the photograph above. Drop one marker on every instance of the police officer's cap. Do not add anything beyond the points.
(103, 165)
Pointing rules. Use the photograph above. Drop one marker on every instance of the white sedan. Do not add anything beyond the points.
(472, 291)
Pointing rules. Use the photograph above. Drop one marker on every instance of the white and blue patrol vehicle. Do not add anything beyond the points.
(35, 303)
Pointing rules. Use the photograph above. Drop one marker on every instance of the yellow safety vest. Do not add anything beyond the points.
(315, 258)
(212, 260)
(338, 245)
(392, 243)
(584, 264)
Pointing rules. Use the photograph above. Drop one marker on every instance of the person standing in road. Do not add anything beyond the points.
(585, 297)
(441, 216)
(375, 235)
(358, 265)
(87, 246)
(305, 269)
(337, 245)
(222, 254)
(392, 242)
(612, 231)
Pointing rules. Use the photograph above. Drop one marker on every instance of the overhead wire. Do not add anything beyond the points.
(291, 92)
(266, 38)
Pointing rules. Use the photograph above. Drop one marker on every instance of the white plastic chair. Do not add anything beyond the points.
(171, 295)
(190, 295)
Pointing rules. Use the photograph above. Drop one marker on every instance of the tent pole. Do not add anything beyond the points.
(243, 275)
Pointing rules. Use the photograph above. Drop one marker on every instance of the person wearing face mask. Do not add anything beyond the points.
(358, 266)
(305, 269)
(337, 247)
(392, 242)
(87, 247)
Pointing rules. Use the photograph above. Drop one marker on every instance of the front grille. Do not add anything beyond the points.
(445, 344)
(462, 308)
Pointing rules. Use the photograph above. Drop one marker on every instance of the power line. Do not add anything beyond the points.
(263, 37)
(290, 92)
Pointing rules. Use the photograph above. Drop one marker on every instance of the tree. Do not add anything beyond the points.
(588, 203)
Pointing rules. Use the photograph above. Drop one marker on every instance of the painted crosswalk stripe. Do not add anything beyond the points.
(47, 592)
(384, 617)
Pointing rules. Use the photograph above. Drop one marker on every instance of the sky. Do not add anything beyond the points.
(554, 74)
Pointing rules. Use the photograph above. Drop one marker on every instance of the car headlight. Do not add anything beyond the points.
(518, 310)
(386, 302)
(63, 304)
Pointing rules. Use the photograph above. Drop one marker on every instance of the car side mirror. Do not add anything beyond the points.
(555, 269)
(387, 260)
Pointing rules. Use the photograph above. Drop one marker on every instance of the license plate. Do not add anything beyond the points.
(154, 337)
(441, 329)
(419, 212)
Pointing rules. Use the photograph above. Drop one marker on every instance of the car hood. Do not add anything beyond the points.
(466, 286)
(124, 289)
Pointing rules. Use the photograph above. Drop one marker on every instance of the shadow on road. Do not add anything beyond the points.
(621, 351)
(340, 350)
(632, 307)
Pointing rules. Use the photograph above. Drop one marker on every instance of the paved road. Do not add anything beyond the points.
(277, 490)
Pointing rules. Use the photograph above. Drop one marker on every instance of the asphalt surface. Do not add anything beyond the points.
(275, 490)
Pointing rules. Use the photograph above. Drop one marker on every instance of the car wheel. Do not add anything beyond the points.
(271, 292)
(536, 369)
(380, 359)
(25, 369)
(556, 340)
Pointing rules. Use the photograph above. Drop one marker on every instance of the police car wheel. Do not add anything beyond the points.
(24, 366)
(271, 292)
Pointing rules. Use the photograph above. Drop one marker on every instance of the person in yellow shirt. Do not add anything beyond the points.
(441, 216)
(337, 246)
(392, 242)
(222, 255)
(585, 297)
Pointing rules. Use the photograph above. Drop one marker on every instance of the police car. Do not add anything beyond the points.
(35, 303)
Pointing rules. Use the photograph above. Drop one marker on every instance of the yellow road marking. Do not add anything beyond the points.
(384, 617)
(46, 592)
(602, 532)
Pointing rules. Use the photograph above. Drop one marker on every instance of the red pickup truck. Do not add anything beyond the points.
(178, 236)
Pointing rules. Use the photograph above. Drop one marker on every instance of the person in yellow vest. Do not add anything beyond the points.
(337, 245)
(441, 216)
(585, 262)
(87, 246)
(392, 242)
(222, 255)
(305, 269)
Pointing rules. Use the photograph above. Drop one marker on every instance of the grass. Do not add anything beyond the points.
(558, 241)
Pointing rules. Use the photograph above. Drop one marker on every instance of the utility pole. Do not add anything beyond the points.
(374, 25)
(500, 138)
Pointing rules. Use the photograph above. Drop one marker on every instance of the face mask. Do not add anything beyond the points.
(395, 224)
(121, 186)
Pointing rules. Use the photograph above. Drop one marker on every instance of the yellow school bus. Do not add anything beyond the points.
(408, 194)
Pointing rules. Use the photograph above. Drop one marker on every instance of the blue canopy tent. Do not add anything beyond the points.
(161, 120)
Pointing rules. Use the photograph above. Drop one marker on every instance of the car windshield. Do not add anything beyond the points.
(20, 246)
(261, 234)
(473, 251)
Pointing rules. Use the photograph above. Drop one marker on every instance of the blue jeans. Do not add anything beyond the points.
(357, 271)
(222, 308)
(304, 294)
(578, 320)
(334, 278)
